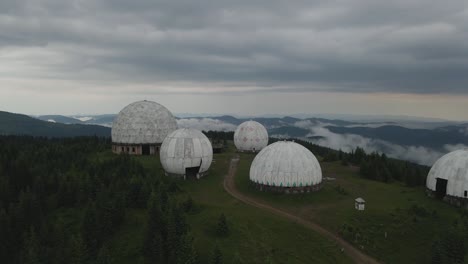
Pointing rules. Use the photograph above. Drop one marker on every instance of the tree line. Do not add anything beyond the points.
(374, 166)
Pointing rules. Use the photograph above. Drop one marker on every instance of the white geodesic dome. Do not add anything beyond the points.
(452, 167)
(286, 164)
(250, 136)
(143, 122)
(186, 148)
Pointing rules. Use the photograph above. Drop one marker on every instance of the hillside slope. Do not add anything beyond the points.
(17, 124)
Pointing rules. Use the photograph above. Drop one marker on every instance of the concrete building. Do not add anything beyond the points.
(286, 166)
(250, 136)
(448, 178)
(141, 127)
(186, 153)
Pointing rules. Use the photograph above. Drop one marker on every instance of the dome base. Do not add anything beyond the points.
(278, 189)
(248, 151)
(136, 149)
(453, 200)
(184, 177)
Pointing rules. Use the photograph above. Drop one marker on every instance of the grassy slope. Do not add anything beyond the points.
(256, 236)
(409, 236)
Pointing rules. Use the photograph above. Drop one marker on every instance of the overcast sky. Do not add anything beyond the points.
(398, 57)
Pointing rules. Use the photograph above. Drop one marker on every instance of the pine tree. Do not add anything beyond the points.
(216, 256)
(188, 204)
(436, 254)
(156, 232)
(186, 253)
(79, 251)
(4, 235)
(90, 230)
(222, 228)
(104, 256)
(31, 249)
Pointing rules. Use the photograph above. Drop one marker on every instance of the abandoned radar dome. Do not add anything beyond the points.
(448, 177)
(186, 153)
(250, 136)
(286, 166)
(141, 127)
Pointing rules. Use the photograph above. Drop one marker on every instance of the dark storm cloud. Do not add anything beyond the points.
(351, 46)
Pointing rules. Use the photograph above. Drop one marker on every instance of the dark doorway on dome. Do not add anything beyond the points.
(192, 172)
(441, 188)
(145, 149)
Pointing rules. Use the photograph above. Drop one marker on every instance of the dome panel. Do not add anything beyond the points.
(250, 136)
(143, 122)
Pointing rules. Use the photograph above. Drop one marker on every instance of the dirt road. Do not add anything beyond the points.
(348, 249)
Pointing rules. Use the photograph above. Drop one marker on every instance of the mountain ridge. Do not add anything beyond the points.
(19, 124)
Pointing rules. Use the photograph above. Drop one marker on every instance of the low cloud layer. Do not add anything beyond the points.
(349, 142)
(345, 142)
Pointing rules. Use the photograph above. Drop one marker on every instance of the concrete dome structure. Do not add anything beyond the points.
(250, 136)
(141, 127)
(448, 178)
(186, 153)
(286, 166)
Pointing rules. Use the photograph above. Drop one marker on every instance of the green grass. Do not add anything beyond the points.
(388, 210)
(256, 236)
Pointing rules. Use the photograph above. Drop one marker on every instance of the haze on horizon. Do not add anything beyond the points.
(241, 57)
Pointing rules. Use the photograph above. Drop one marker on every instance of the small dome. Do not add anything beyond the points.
(452, 170)
(286, 164)
(143, 122)
(250, 136)
(186, 151)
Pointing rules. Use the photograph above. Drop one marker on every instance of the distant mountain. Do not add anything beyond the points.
(381, 118)
(18, 124)
(60, 119)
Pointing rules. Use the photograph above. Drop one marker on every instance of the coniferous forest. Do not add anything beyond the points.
(40, 179)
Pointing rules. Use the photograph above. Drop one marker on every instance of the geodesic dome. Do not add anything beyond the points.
(143, 122)
(186, 151)
(285, 164)
(449, 174)
(250, 136)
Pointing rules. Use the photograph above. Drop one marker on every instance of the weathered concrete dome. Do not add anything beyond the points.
(186, 153)
(250, 136)
(286, 164)
(449, 175)
(143, 122)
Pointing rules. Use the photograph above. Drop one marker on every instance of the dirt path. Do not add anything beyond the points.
(349, 250)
